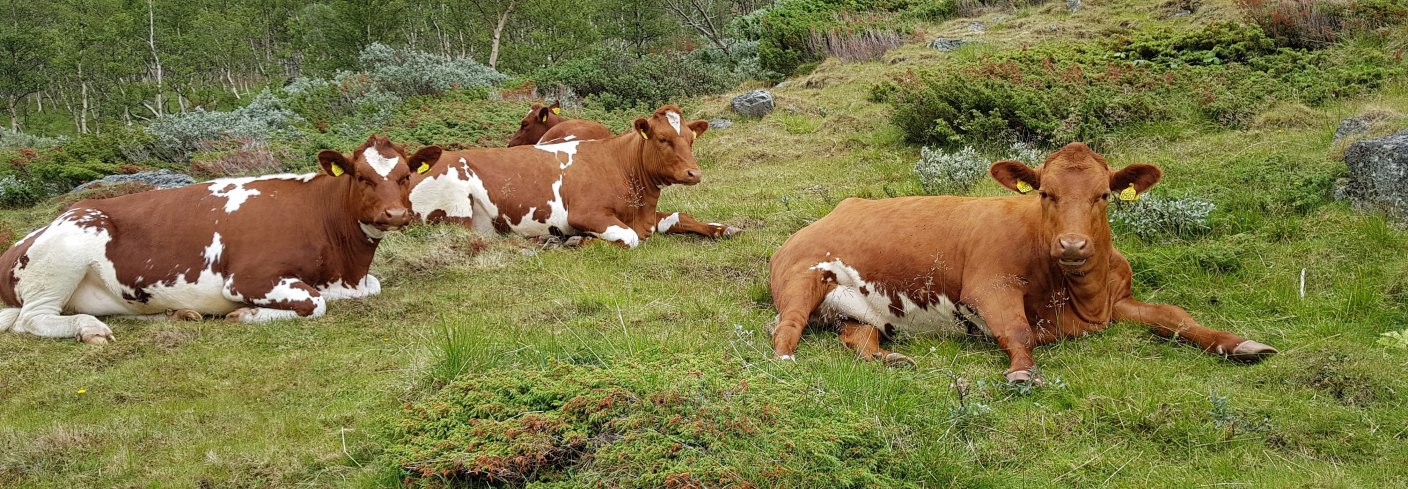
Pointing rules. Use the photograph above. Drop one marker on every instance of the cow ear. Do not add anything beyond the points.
(556, 107)
(1015, 175)
(1134, 179)
(334, 163)
(543, 114)
(699, 127)
(425, 159)
(643, 127)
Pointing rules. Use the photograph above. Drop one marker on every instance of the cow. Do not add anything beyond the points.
(546, 124)
(1023, 270)
(254, 249)
(605, 189)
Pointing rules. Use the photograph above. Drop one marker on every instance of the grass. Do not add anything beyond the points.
(317, 403)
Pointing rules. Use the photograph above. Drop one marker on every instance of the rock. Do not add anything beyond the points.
(1352, 126)
(1378, 169)
(978, 26)
(756, 103)
(947, 44)
(720, 124)
(160, 179)
(1072, 6)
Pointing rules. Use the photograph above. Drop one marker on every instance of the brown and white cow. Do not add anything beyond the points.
(1024, 270)
(254, 249)
(546, 124)
(606, 189)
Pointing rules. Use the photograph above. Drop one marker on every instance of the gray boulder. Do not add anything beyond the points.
(1072, 6)
(978, 26)
(160, 179)
(720, 124)
(1352, 126)
(1377, 170)
(946, 44)
(756, 103)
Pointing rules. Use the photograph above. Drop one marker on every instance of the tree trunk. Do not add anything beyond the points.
(83, 112)
(156, 60)
(234, 88)
(39, 99)
(14, 117)
(498, 32)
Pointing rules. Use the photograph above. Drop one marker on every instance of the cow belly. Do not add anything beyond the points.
(207, 295)
(894, 312)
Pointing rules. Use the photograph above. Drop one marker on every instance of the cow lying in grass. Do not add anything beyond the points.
(254, 249)
(1025, 271)
(606, 189)
(546, 124)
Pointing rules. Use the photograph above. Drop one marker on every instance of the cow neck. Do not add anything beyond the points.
(633, 168)
(342, 228)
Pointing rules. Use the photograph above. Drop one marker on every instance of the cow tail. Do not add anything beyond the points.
(8, 317)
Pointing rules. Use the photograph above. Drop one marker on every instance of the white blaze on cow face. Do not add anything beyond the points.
(382, 165)
(449, 192)
(870, 303)
(621, 235)
(674, 118)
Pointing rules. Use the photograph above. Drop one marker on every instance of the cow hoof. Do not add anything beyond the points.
(898, 360)
(238, 315)
(729, 232)
(572, 242)
(1251, 352)
(1023, 377)
(788, 358)
(98, 334)
(184, 315)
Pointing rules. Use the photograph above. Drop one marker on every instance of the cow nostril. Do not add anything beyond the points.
(395, 213)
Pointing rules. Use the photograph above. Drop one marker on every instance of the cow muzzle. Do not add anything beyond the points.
(689, 177)
(1072, 250)
(393, 219)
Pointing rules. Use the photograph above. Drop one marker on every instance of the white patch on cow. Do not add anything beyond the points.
(449, 192)
(368, 286)
(674, 118)
(284, 292)
(789, 358)
(211, 254)
(380, 164)
(873, 307)
(621, 235)
(668, 222)
(235, 192)
(569, 137)
(371, 231)
(566, 147)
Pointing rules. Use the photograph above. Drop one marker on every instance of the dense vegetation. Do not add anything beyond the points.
(492, 361)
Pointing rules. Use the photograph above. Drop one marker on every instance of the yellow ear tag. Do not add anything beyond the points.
(643, 136)
(1023, 187)
(424, 167)
(1129, 194)
(545, 119)
(337, 171)
(557, 110)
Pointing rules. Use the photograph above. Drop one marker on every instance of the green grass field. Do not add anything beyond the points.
(326, 402)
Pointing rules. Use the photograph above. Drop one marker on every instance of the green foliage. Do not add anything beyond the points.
(1153, 217)
(15, 192)
(1223, 74)
(409, 72)
(687, 422)
(614, 80)
(1395, 339)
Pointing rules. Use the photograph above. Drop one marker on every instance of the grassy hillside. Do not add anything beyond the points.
(651, 367)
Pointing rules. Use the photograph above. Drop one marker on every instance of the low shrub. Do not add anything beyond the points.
(941, 172)
(239, 157)
(625, 424)
(16, 192)
(613, 80)
(22, 140)
(179, 135)
(1317, 23)
(1152, 218)
(103, 191)
(408, 72)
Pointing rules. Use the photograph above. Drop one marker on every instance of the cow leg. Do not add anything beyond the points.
(1173, 322)
(683, 223)
(1006, 317)
(796, 293)
(289, 298)
(608, 228)
(65, 264)
(865, 340)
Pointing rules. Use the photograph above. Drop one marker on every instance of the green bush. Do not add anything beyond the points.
(615, 80)
(1223, 74)
(626, 424)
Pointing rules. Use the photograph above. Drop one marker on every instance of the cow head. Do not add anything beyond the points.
(378, 177)
(668, 154)
(1075, 185)
(535, 124)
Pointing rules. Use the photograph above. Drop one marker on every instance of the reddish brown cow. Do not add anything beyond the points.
(254, 249)
(536, 123)
(575, 130)
(1024, 270)
(605, 188)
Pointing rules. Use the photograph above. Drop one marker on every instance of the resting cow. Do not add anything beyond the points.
(254, 249)
(606, 189)
(546, 124)
(1025, 271)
